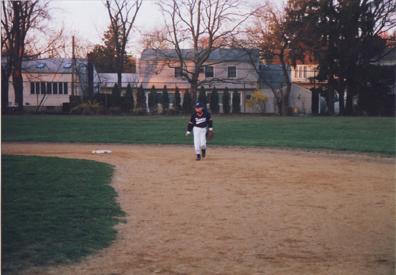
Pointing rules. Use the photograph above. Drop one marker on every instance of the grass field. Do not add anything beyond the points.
(54, 210)
(44, 223)
(358, 134)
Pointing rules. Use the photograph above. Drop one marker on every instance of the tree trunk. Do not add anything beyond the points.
(4, 89)
(18, 88)
(349, 103)
(341, 102)
(18, 54)
(330, 95)
(194, 90)
(341, 93)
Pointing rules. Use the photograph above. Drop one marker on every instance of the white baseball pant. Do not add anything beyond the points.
(199, 139)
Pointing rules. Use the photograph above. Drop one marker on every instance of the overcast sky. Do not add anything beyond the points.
(90, 19)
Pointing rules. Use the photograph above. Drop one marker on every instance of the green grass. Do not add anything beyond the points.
(55, 210)
(358, 134)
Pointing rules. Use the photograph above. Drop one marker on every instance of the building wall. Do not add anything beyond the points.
(162, 73)
(300, 98)
(32, 97)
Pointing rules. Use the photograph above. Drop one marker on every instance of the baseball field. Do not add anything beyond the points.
(301, 195)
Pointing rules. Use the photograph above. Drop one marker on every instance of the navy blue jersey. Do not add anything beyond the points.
(200, 120)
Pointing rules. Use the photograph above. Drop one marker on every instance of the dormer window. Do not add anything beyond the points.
(41, 65)
(68, 66)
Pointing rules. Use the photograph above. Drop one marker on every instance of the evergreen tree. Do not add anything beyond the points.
(177, 99)
(140, 98)
(226, 101)
(165, 99)
(106, 57)
(128, 102)
(236, 102)
(186, 105)
(152, 100)
(115, 96)
(214, 101)
(202, 96)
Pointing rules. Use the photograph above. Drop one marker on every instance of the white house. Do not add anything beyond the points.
(48, 83)
(109, 79)
(231, 68)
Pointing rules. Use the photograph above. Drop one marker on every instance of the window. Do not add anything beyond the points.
(43, 88)
(209, 71)
(65, 89)
(171, 97)
(301, 71)
(231, 71)
(178, 71)
(41, 65)
(159, 96)
(68, 66)
(49, 88)
(55, 88)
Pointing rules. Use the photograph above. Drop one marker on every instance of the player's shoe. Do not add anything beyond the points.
(198, 157)
(203, 153)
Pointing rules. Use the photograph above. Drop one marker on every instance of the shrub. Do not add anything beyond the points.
(152, 100)
(258, 101)
(172, 112)
(226, 101)
(116, 96)
(128, 100)
(289, 111)
(86, 108)
(202, 96)
(177, 100)
(214, 101)
(236, 102)
(165, 100)
(140, 98)
(186, 105)
(116, 111)
(141, 111)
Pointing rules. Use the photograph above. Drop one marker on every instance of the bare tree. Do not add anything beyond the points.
(122, 17)
(62, 45)
(155, 39)
(204, 25)
(18, 19)
(272, 32)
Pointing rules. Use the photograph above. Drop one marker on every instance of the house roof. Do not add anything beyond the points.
(238, 55)
(50, 65)
(53, 65)
(389, 56)
(109, 79)
(273, 75)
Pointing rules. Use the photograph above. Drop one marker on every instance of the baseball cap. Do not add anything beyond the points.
(199, 105)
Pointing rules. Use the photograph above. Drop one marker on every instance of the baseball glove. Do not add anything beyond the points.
(209, 135)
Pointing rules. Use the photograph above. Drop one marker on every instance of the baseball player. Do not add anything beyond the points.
(198, 122)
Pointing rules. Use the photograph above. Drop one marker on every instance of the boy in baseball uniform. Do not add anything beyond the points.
(198, 122)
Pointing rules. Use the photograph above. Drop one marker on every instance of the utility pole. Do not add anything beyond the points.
(73, 61)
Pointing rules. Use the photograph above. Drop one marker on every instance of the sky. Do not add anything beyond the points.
(90, 19)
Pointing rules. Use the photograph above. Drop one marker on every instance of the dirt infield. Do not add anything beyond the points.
(241, 211)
